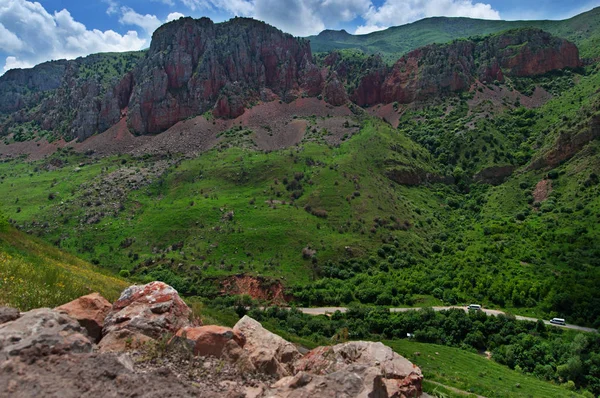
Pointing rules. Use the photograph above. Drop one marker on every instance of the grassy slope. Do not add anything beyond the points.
(472, 372)
(34, 274)
(188, 204)
(392, 43)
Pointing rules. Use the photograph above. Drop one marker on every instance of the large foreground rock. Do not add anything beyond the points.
(42, 331)
(89, 375)
(154, 310)
(380, 368)
(89, 311)
(269, 353)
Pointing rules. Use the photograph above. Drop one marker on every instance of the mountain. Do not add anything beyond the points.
(196, 66)
(396, 41)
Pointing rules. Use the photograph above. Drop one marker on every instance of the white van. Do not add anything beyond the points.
(475, 307)
(558, 321)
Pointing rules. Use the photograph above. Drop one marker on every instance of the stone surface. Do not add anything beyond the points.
(208, 340)
(89, 311)
(42, 331)
(123, 340)
(376, 363)
(269, 353)
(8, 314)
(338, 384)
(153, 310)
(89, 375)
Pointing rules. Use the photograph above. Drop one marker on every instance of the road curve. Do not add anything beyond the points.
(331, 310)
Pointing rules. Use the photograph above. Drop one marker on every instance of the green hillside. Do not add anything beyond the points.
(394, 42)
(34, 274)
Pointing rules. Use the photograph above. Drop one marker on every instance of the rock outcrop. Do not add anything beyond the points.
(47, 352)
(269, 353)
(195, 66)
(152, 310)
(89, 311)
(379, 368)
(445, 68)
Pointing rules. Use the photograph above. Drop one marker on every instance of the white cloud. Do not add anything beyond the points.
(365, 29)
(298, 17)
(113, 7)
(53, 36)
(9, 41)
(173, 16)
(147, 22)
(398, 12)
(13, 62)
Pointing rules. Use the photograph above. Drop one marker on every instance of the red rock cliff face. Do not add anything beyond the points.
(193, 65)
(437, 69)
(529, 52)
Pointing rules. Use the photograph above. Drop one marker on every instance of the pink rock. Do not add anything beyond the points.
(153, 310)
(269, 353)
(209, 340)
(89, 311)
(376, 363)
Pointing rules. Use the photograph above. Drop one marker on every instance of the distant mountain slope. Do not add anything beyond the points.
(396, 41)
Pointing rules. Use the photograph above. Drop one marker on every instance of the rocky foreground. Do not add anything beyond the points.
(148, 344)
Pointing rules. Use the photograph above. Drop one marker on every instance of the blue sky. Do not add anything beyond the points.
(33, 32)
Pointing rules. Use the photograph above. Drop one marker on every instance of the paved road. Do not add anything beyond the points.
(331, 310)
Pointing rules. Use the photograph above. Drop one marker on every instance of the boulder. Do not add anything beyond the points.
(153, 310)
(8, 314)
(89, 311)
(376, 363)
(42, 331)
(269, 353)
(208, 340)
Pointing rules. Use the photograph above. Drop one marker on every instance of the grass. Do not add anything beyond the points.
(472, 373)
(34, 274)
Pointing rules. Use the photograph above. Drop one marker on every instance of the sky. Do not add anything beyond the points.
(34, 32)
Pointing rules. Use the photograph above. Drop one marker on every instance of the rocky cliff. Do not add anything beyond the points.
(438, 69)
(194, 66)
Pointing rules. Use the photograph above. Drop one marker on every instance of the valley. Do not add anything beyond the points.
(247, 168)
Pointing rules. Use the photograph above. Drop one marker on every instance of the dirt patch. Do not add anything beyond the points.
(276, 125)
(338, 128)
(115, 140)
(388, 112)
(256, 287)
(502, 98)
(267, 139)
(34, 150)
(542, 190)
